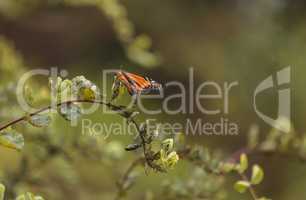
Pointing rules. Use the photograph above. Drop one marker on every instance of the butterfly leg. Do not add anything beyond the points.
(135, 99)
(115, 90)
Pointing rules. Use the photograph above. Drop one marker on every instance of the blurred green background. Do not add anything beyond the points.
(224, 41)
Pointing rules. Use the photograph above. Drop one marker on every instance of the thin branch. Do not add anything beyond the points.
(118, 109)
(250, 188)
(23, 118)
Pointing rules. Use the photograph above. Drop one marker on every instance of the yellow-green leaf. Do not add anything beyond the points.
(2, 191)
(84, 89)
(257, 175)
(12, 139)
(70, 111)
(168, 161)
(38, 198)
(241, 186)
(87, 94)
(27, 196)
(243, 163)
(172, 159)
(264, 198)
(39, 120)
(167, 144)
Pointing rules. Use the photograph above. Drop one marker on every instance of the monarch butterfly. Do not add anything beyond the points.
(135, 84)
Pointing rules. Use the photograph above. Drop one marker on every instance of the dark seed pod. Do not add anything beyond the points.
(132, 147)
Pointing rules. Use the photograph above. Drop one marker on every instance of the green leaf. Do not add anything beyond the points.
(2, 191)
(241, 186)
(70, 111)
(40, 120)
(168, 161)
(84, 89)
(22, 197)
(167, 144)
(64, 92)
(87, 94)
(29, 196)
(12, 139)
(264, 198)
(172, 159)
(257, 175)
(38, 198)
(243, 163)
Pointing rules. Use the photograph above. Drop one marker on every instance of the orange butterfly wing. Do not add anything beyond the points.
(140, 81)
(126, 82)
(134, 83)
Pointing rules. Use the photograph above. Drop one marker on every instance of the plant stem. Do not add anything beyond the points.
(251, 188)
(57, 105)
(109, 105)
